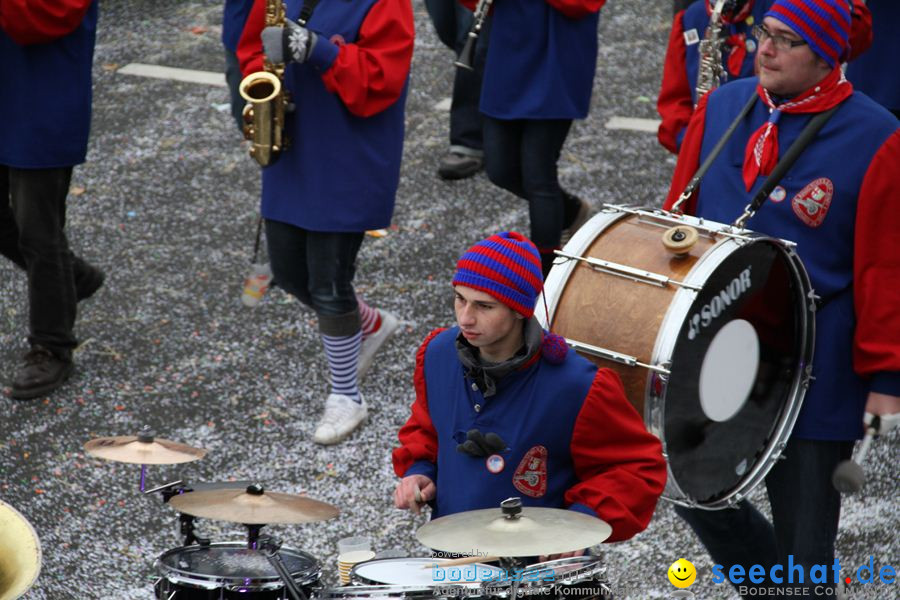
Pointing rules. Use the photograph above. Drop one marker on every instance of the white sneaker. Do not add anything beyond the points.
(372, 344)
(342, 415)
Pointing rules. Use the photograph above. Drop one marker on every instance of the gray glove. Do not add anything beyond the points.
(479, 445)
(292, 43)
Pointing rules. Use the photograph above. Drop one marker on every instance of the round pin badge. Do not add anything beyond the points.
(778, 194)
(751, 46)
(495, 463)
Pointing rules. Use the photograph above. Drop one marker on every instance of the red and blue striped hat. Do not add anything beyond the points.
(823, 24)
(507, 266)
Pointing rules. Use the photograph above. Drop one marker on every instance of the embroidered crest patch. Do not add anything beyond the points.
(530, 477)
(812, 202)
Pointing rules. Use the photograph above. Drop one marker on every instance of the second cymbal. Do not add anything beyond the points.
(533, 531)
(253, 506)
(143, 449)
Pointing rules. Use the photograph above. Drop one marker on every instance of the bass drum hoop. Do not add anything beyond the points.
(670, 328)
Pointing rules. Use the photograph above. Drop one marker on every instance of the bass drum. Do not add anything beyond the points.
(714, 345)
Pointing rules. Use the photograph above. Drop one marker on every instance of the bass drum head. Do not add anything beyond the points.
(20, 553)
(737, 369)
(232, 565)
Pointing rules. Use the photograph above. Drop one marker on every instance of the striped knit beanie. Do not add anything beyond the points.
(507, 266)
(823, 24)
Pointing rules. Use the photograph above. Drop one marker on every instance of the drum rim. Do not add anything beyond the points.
(664, 349)
(390, 590)
(203, 580)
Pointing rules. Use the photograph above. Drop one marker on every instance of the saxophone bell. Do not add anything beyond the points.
(263, 115)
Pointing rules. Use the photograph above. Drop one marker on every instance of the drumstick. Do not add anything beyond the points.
(466, 560)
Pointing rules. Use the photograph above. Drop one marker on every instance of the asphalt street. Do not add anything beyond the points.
(166, 205)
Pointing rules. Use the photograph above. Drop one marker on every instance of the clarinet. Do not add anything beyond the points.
(709, 74)
(467, 56)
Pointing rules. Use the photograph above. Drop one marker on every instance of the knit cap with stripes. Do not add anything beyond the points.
(507, 266)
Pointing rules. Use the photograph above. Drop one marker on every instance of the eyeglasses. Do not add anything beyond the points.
(779, 41)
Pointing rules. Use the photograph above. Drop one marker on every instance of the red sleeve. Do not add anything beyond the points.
(860, 29)
(470, 4)
(250, 49)
(675, 103)
(576, 9)
(41, 21)
(688, 160)
(370, 74)
(876, 269)
(418, 438)
(619, 465)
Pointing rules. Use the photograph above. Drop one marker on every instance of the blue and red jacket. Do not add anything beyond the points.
(233, 18)
(541, 59)
(341, 170)
(678, 93)
(573, 439)
(46, 53)
(875, 72)
(839, 204)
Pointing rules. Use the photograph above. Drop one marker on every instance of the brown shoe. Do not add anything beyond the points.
(41, 373)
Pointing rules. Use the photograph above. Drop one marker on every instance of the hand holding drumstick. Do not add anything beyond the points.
(413, 492)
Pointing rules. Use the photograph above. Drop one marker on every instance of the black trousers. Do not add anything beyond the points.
(32, 235)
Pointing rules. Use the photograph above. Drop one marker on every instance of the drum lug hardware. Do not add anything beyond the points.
(636, 275)
(624, 359)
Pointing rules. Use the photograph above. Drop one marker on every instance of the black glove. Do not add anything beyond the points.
(480, 445)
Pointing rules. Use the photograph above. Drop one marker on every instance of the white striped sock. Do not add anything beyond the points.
(343, 358)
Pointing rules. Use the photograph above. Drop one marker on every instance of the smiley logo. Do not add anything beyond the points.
(682, 573)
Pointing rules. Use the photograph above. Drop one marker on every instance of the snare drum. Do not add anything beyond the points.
(230, 571)
(413, 572)
(714, 347)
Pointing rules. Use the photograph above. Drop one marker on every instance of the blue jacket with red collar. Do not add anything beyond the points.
(839, 204)
(541, 59)
(46, 53)
(678, 93)
(573, 439)
(341, 169)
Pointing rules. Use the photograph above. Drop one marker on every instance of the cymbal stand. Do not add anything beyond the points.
(186, 521)
(269, 547)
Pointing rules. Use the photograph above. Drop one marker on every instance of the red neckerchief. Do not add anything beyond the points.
(761, 154)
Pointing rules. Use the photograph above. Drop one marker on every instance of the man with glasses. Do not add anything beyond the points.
(678, 93)
(839, 203)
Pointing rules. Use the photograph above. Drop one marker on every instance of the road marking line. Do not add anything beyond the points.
(174, 74)
(633, 124)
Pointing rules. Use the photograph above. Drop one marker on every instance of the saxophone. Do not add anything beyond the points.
(266, 101)
(710, 72)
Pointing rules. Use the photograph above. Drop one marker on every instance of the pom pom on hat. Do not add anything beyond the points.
(823, 24)
(554, 348)
(507, 266)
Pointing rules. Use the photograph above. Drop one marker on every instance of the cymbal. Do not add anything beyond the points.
(534, 531)
(143, 449)
(20, 553)
(253, 506)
